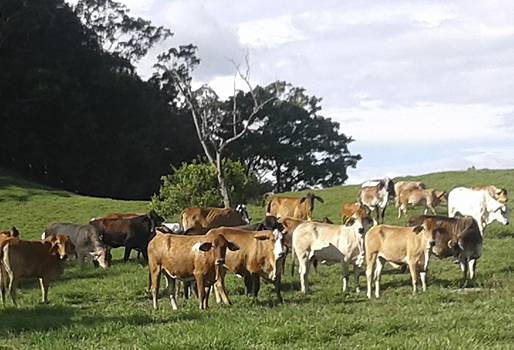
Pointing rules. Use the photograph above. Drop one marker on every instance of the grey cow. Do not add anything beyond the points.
(85, 238)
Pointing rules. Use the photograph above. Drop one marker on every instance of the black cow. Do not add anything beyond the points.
(131, 233)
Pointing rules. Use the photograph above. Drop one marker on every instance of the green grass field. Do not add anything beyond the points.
(109, 309)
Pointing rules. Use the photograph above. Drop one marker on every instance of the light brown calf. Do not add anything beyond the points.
(33, 259)
(427, 198)
(500, 194)
(298, 208)
(401, 186)
(186, 258)
(196, 217)
(399, 245)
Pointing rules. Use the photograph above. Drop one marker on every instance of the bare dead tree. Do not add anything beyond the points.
(208, 116)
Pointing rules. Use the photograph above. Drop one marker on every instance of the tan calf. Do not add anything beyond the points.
(399, 245)
(187, 258)
(427, 198)
(33, 259)
(298, 208)
(500, 194)
(196, 217)
(401, 186)
(353, 210)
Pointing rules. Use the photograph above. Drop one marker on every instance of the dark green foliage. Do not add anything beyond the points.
(195, 185)
(75, 116)
(294, 143)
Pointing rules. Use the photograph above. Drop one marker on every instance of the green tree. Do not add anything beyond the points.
(196, 184)
(294, 144)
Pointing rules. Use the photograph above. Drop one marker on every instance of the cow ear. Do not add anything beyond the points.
(261, 236)
(319, 198)
(14, 232)
(201, 246)
(418, 229)
(232, 246)
(349, 222)
(303, 199)
(451, 244)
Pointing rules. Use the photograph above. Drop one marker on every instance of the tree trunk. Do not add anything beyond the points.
(278, 177)
(221, 181)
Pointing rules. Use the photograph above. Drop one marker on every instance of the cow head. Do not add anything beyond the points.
(441, 196)
(60, 246)
(155, 220)
(241, 209)
(389, 186)
(275, 250)
(216, 244)
(500, 214)
(426, 234)
(500, 194)
(356, 224)
(13, 232)
(309, 198)
(102, 256)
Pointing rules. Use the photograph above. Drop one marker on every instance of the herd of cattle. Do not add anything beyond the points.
(209, 242)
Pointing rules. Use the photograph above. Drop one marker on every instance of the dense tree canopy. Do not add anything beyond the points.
(294, 145)
(74, 115)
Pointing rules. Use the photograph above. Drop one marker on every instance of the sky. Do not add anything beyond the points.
(421, 86)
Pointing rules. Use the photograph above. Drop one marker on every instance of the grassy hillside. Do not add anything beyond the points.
(92, 308)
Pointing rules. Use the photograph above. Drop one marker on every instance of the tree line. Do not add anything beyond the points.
(74, 113)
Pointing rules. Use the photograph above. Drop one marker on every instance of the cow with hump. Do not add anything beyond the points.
(479, 204)
(398, 245)
(187, 258)
(428, 198)
(21, 259)
(259, 255)
(86, 240)
(330, 244)
(130, 232)
(298, 208)
(375, 195)
(454, 237)
(196, 217)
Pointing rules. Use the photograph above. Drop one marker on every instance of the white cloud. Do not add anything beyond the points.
(269, 32)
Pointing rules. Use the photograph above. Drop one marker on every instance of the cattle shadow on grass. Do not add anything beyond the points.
(138, 319)
(39, 319)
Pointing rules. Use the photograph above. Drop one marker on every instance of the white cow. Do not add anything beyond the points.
(479, 205)
(174, 227)
(329, 243)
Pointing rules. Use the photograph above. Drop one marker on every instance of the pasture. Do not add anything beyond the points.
(110, 309)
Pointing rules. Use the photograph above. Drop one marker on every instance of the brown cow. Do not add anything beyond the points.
(259, 255)
(196, 217)
(298, 208)
(13, 232)
(427, 198)
(32, 259)
(400, 245)
(457, 237)
(500, 194)
(186, 258)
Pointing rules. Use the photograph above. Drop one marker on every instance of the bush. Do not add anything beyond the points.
(196, 185)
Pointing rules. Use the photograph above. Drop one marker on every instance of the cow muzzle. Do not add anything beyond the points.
(431, 243)
(64, 256)
(220, 262)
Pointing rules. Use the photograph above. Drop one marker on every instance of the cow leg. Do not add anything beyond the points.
(356, 274)
(377, 210)
(256, 285)
(278, 285)
(423, 277)
(154, 271)
(247, 277)
(292, 261)
(464, 267)
(2, 284)
(378, 271)
(44, 290)
(219, 287)
(13, 283)
(126, 256)
(413, 275)
(201, 291)
(471, 268)
(370, 260)
(382, 214)
(344, 268)
(206, 298)
(303, 270)
(171, 290)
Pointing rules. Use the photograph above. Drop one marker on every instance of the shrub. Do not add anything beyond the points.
(196, 184)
